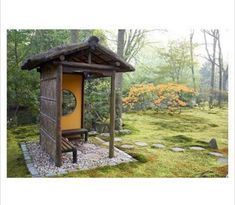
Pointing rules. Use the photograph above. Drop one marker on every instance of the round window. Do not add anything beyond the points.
(69, 102)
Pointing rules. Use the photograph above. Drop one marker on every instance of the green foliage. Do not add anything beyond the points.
(97, 93)
(176, 61)
(163, 63)
(23, 86)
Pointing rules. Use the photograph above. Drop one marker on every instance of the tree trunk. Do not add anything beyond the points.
(16, 49)
(225, 79)
(118, 82)
(213, 74)
(192, 63)
(212, 60)
(74, 36)
(220, 71)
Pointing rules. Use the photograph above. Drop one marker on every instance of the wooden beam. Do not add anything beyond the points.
(89, 66)
(68, 69)
(62, 57)
(112, 116)
(58, 115)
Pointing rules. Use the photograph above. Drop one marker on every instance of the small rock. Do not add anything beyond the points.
(24, 148)
(223, 160)
(213, 144)
(50, 175)
(216, 154)
(93, 133)
(158, 146)
(106, 143)
(90, 156)
(177, 149)
(93, 156)
(33, 171)
(124, 132)
(127, 146)
(141, 144)
(117, 139)
(27, 157)
(197, 148)
(72, 170)
(88, 146)
(105, 134)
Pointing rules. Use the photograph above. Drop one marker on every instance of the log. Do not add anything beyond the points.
(72, 70)
(89, 66)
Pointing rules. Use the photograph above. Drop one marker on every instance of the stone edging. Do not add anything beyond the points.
(28, 160)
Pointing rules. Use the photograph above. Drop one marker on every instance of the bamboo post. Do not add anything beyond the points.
(112, 116)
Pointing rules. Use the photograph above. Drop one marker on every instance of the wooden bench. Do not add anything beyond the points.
(70, 134)
(67, 146)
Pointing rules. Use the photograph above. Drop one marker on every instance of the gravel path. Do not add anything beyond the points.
(89, 156)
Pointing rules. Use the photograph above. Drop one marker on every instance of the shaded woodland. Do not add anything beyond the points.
(168, 76)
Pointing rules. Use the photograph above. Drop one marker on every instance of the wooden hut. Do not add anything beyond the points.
(65, 68)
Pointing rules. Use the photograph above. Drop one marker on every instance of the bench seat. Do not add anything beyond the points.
(67, 146)
(70, 133)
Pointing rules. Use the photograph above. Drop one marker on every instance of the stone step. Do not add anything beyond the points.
(158, 146)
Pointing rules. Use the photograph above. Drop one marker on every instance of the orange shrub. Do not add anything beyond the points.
(171, 96)
(139, 95)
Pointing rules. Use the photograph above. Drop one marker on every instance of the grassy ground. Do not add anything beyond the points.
(191, 127)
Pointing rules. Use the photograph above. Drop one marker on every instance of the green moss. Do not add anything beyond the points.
(15, 162)
(193, 127)
(213, 125)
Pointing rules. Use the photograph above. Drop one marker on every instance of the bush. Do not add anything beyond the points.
(170, 97)
(140, 97)
(173, 96)
(97, 103)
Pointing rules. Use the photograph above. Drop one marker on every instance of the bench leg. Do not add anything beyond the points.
(86, 136)
(75, 156)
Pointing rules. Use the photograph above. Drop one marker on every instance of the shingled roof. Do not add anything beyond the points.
(79, 53)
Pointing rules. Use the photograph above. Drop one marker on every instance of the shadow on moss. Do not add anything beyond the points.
(139, 157)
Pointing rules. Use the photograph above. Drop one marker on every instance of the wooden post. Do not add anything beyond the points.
(112, 116)
(58, 115)
(83, 103)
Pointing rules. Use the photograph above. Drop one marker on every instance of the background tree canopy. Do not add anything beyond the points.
(174, 61)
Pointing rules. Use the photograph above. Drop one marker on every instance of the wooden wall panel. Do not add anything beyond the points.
(49, 104)
(48, 108)
(48, 89)
(48, 144)
(48, 125)
(48, 72)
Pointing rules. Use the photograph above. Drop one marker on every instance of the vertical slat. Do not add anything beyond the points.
(112, 116)
(89, 57)
(40, 105)
(58, 115)
(83, 104)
